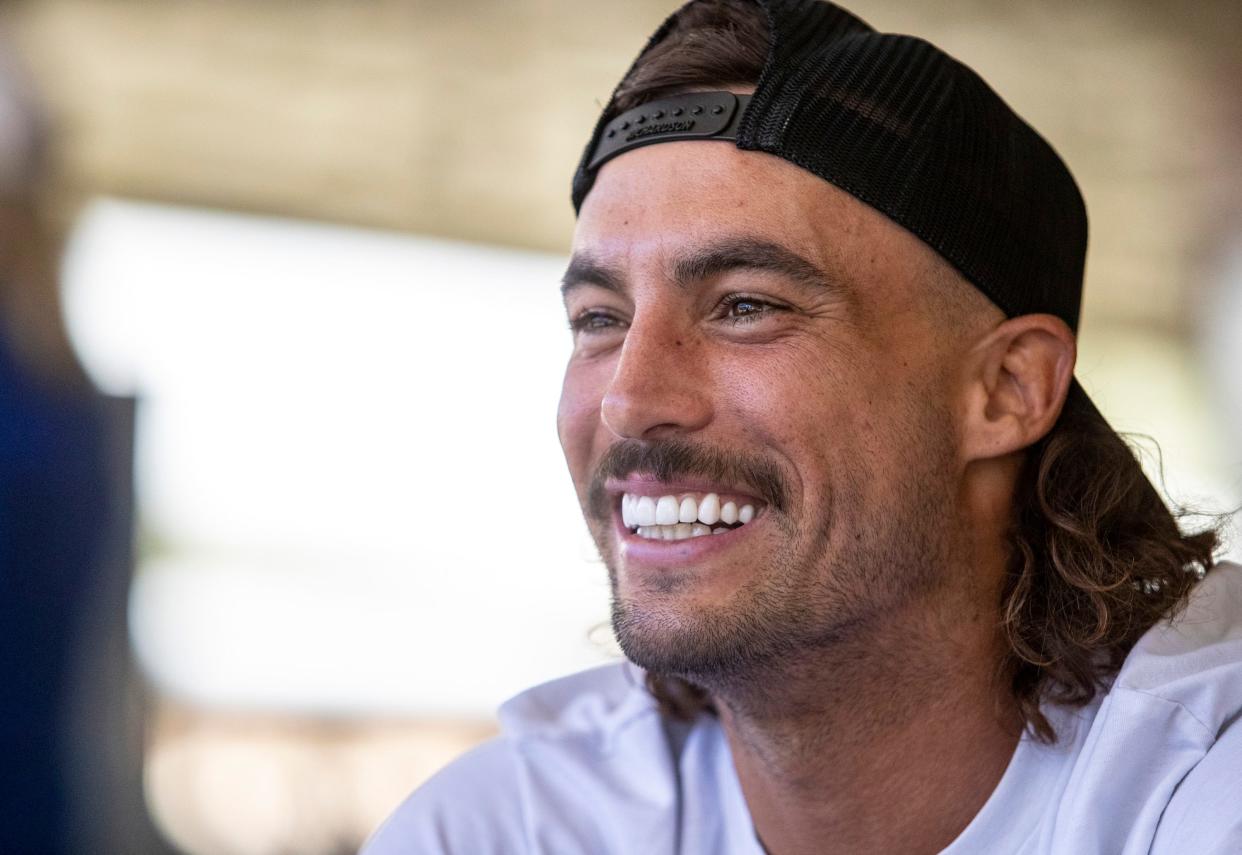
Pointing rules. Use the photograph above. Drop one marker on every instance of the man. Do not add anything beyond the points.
(894, 583)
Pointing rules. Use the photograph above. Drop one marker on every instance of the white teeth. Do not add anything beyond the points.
(680, 531)
(645, 511)
(689, 510)
(666, 511)
(668, 518)
(627, 511)
(709, 509)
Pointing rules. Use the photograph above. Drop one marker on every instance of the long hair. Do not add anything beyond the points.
(1095, 556)
(1096, 559)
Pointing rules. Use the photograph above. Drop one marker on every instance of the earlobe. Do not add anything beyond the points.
(1020, 375)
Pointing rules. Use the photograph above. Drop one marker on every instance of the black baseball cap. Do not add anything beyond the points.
(905, 128)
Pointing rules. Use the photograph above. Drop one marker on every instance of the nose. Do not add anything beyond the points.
(661, 386)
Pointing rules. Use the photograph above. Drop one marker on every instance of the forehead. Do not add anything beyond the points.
(650, 204)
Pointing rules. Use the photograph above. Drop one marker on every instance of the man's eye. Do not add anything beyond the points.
(589, 322)
(741, 309)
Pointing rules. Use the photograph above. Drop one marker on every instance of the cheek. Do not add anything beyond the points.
(577, 419)
(823, 411)
(803, 395)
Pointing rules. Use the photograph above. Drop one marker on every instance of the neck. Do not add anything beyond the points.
(890, 741)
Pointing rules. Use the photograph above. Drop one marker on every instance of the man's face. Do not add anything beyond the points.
(757, 412)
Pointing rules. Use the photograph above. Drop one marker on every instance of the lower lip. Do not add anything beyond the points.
(678, 553)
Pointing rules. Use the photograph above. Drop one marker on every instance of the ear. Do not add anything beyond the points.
(1017, 381)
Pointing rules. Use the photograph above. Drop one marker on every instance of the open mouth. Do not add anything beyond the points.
(685, 515)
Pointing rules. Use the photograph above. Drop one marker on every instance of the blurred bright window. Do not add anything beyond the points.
(351, 496)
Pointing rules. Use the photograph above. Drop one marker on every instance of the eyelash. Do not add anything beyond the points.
(764, 308)
(582, 323)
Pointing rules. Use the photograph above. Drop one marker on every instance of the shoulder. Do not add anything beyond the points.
(593, 704)
(1194, 660)
(1159, 730)
(1205, 813)
(563, 746)
(469, 806)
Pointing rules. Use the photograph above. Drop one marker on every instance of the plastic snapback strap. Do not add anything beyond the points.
(694, 116)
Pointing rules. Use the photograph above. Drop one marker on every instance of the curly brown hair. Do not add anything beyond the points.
(1096, 557)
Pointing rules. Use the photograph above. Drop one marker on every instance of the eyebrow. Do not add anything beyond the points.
(724, 256)
(746, 254)
(586, 269)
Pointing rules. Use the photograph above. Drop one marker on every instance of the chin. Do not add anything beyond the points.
(705, 645)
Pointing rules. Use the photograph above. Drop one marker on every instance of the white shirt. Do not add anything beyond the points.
(586, 764)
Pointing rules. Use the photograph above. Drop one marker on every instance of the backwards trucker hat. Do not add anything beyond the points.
(905, 128)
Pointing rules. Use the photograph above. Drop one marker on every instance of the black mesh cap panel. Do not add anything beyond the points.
(918, 136)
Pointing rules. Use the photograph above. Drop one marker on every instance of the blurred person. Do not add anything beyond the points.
(887, 580)
(68, 734)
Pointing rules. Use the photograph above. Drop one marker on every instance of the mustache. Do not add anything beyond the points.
(671, 459)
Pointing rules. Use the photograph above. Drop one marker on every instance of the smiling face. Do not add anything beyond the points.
(758, 410)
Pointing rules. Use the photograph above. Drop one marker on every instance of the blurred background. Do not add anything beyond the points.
(282, 513)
